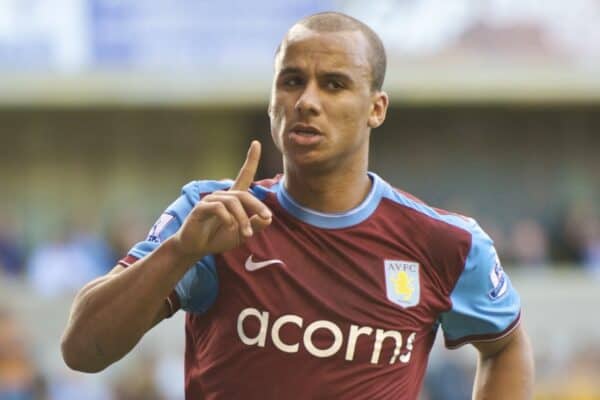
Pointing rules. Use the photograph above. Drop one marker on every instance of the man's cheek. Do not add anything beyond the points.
(350, 120)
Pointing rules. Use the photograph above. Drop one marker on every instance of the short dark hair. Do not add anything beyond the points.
(336, 22)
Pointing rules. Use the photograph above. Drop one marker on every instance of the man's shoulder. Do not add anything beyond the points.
(269, 183)
(406, 203)
(197, 189)
(442, 229)
(200, 187)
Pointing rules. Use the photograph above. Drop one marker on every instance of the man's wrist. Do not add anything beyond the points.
(178, 257)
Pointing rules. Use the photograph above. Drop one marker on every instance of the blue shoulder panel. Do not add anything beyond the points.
(198, 288)
(485, 305)
(484, 302)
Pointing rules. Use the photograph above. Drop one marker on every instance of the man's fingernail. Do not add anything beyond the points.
(248, 230)
(266, 214)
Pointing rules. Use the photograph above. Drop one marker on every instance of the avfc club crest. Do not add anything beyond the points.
(402, 282)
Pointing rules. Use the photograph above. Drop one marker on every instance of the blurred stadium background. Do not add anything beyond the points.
(108, 107)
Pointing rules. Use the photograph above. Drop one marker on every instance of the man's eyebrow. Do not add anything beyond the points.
(337, 75)
(290, 70)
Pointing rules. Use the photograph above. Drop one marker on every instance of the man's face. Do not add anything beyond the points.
(322, 106)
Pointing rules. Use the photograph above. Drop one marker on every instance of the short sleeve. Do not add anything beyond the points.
(485, 305)
(198, 288)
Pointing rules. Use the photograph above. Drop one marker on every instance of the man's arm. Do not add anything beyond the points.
(505, 369)
(111, 314)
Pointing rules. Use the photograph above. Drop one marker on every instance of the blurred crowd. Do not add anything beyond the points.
(71, 254)
(21, 377)
(572, 240)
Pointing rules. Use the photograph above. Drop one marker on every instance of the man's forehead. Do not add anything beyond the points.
(298, 32)
(345, 47)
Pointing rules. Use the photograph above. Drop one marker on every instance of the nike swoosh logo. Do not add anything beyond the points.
(252, 265)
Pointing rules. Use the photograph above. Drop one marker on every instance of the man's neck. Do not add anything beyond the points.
(329, 193)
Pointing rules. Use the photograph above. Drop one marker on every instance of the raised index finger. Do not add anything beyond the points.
(246, 175)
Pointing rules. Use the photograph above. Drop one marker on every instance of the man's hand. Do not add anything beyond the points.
(223, 220)
(111, 314)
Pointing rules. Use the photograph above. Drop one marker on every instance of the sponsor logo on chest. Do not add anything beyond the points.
(402, 282)
(343, 339)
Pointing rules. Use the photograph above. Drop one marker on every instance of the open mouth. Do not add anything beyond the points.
(305, 135)
(305, 130)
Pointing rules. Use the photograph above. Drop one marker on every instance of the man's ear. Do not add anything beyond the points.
(379, 107)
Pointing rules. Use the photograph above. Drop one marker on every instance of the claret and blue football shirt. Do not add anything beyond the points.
(334, 306)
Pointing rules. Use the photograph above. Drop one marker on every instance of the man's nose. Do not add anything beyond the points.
(309, 102)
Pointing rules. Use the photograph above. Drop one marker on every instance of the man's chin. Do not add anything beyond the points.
(309, 162)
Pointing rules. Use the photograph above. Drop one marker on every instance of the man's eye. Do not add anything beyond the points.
(291, 82)
(335, 85)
